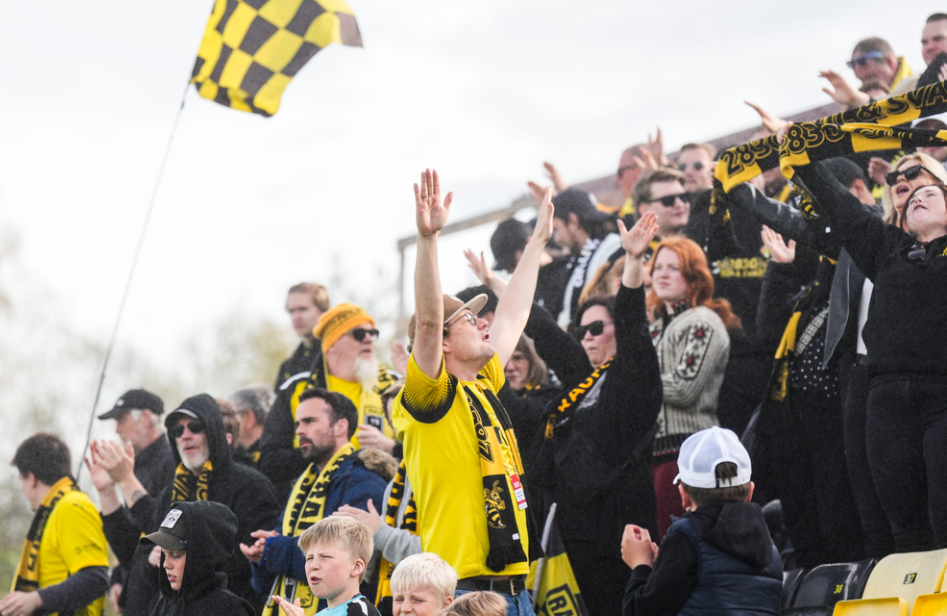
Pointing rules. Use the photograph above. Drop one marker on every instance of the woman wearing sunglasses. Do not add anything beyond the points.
(906, 175)
(906, 338)
(689, 331)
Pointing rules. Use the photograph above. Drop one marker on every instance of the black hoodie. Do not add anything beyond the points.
(210, 528)
(245, 491)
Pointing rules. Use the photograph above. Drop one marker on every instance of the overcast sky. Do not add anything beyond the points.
(483, 91)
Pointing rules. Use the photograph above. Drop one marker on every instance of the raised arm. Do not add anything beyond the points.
(431, 215)
(635, 242)
(516, 302)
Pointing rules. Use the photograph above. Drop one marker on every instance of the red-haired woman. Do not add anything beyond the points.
(689, 331)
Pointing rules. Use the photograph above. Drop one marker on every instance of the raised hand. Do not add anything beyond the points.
(636, 240)
(636, 546)
(656, 147)
(369, 518)
(553, 174)
(779, 250)
(843, 93)
(118, 460)
(543, 230)
(878, 167)
(290, 609)
(478, 264)
(770, 122)
(431, 212)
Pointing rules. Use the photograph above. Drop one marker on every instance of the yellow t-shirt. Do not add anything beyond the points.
(369, 407)
(441, 453)
(72, 540)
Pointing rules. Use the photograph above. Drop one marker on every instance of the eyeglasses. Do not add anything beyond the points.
(595, 328)
(359, 333)
(697, 165)
(909, 174)
(468, 316)
(670, 200)
(622, 170)
(194, 426)
(863, 59)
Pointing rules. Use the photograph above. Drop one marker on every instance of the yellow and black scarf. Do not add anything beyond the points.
(190, 487)
(876, 126)
(306, 506)
(27, 572)
(502, 529)
(409, 522)
(573, 398)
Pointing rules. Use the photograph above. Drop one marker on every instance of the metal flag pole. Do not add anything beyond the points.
(131, 276)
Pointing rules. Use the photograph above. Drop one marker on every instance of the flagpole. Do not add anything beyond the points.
(131, 276)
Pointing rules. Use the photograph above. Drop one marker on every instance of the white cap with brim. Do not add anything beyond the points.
(702, 452)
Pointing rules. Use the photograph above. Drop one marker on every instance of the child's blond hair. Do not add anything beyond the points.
(424, 571)
(478, 603)
(348, 533)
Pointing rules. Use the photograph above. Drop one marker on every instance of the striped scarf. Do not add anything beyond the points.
(26, 578)
(306, 506)
(190, 487)
(409, 523)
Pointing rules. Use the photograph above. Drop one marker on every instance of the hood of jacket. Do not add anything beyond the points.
(210, 529)
(737, 529)
(208, 412)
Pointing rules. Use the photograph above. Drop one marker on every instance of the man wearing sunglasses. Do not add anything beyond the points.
(460, 453)
(874, 60)
(347, 336)
(662, 191)
(696, 162)
(205, 471)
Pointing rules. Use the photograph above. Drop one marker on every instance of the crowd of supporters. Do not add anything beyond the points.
(573, 381)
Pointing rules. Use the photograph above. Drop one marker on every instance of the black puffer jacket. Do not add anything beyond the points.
(210, 528)
(245, 491)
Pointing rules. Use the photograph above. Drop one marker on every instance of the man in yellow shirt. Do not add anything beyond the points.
(460, 450)
(64, 563)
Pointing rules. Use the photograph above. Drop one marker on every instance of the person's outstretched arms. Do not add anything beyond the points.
(431, 216)
(515, 303)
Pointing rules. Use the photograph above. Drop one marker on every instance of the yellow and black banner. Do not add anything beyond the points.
(558, 593)
(253, 48)
(882, 125)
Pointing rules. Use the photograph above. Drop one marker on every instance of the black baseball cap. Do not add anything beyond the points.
(135, 399)
(173, 532)
(579, 202)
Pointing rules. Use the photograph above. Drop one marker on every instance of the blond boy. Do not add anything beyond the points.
(336, 550)
(422, 585)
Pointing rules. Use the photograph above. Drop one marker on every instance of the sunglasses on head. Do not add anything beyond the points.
(863, 59)
(909, 174)
(595, 328)
(697, 165)
(194, 426)
(670, 200)
(359, 334)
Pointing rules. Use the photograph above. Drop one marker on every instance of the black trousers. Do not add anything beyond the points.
(907, 452)
(879, 542)
(812, 481)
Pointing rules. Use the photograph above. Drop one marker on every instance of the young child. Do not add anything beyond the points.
(719, 557)
(422, 585)
(196, 541)
(478, 603)
(336, 549)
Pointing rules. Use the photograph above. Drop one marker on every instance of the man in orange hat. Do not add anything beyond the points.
(347, 335)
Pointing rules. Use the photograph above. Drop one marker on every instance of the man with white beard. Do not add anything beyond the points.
(349, 367)
(204, 471)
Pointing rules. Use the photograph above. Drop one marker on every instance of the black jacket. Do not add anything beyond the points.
(210, 529)
(906, 332)
(245, 491)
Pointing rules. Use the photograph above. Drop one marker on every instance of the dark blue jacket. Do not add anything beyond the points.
(718, 559)
(352, 484)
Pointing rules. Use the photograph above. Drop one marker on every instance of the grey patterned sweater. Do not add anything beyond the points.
(693, 348)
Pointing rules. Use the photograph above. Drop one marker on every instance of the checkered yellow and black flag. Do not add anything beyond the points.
(252, 48)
